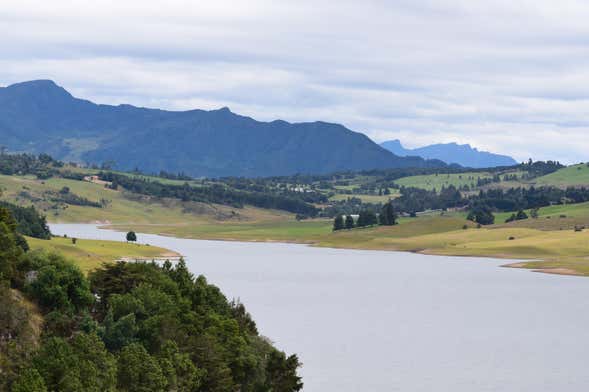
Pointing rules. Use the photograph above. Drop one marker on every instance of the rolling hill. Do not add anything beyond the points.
(41, 117)
(452, 153)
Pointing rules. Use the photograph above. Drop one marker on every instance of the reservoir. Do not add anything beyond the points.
(381, 321)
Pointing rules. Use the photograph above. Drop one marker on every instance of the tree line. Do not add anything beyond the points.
(25, 220)
(387, 217)
(43, 166)
(215, 193)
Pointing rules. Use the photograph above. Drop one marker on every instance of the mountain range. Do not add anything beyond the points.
(42, 117)
(452, 153)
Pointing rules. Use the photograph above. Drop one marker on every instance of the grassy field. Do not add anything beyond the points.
(89, 254)
(438, 181)
(574, 175)
(277, 230)
(565, 252)
(368, 198)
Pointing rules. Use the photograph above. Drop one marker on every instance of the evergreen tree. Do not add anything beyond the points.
(366, 218)
(388, 216)
(139, 371)
(338, 223)
(131, 236)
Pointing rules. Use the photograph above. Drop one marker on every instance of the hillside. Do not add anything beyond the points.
(452, 153)
(41, 117)
(575, 175)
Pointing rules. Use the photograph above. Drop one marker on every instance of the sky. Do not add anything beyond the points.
(505, 76)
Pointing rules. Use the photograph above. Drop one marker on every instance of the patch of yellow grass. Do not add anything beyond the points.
(90, 254)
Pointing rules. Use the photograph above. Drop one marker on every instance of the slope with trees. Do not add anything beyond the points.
(126, 327)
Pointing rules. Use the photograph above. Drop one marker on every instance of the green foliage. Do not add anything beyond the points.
(521, 215)
(28, 221)
(481, 215)
(180, 372)
(138, 371)
(30, 380)
(166, 308)
(294, 202)
(131, 236)
(43, 166)
(152, 328)
(282, 373)
(388, 216)
(82, 364)
(366, 218)
(59, 285)
(10, 252)
(338, 223)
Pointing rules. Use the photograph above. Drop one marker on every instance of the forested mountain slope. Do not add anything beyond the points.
(41, 117)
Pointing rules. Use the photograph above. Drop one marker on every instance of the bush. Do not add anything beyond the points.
(481, 215)
(59, 284)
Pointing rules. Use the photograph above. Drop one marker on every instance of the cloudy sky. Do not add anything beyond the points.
(506, 76)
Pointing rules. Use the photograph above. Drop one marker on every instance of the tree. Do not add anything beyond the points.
(180, 372)
(388, 216)
(366, 218)
(131, 236)
(282, 373)
(29, 381)
(9, 251)
(482, 215)
(521, 215)
(60, 285)
(138, 371)
(338, 223)
(349, 223)
(82, 365)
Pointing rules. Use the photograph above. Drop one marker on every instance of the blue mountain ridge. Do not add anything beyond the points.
(42, 117)
(452, 153)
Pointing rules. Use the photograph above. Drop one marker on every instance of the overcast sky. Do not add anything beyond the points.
(505, 76)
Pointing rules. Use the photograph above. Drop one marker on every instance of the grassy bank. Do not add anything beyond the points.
(90, 254)
(562, 251)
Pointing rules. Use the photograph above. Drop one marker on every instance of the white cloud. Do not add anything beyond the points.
(508, 76)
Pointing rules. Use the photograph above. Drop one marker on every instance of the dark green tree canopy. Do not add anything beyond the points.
(388, 216)
(338, 223)
(128, 327)
(349, 223)
(131, 236)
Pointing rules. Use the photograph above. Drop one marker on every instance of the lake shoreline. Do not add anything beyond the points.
(520, 264)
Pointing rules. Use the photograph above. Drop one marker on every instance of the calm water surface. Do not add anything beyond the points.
(389, 321)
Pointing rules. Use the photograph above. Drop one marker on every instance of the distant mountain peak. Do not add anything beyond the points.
(451, 153)
(41, 89)
(36, 82)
